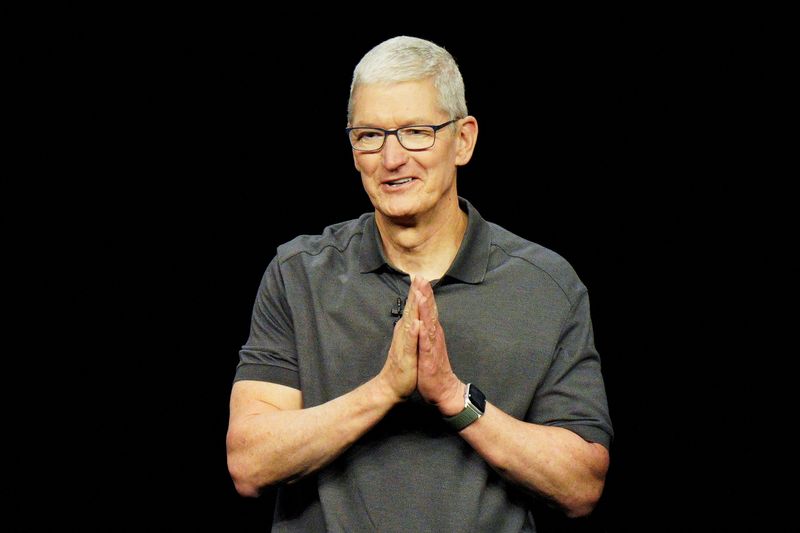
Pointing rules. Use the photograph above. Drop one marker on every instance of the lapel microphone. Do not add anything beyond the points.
(397, 310)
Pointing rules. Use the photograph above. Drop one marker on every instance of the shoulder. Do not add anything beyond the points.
(534, 260)
(336, 237)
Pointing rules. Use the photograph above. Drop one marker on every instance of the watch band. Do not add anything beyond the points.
(470, 413)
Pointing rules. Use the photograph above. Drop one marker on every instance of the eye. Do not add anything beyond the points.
(365, 135)
(420, 131)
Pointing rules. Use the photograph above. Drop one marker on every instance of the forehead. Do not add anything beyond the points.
(392, 104)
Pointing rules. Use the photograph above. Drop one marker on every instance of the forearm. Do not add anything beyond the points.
(265, 448)
(550, 461)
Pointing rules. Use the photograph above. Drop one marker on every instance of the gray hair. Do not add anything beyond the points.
(404, 58)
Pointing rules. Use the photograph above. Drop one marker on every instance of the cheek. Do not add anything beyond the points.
(364, 164)
(440, 164)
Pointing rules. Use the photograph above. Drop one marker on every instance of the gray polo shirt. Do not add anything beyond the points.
(517, 324)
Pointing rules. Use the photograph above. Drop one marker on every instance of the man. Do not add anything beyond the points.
(417, 369)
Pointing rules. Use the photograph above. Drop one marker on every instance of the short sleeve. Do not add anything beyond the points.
(270, 353)
(572, 394)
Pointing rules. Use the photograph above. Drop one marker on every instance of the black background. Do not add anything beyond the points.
(168, 154)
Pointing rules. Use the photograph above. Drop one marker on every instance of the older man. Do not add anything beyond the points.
(417, 369)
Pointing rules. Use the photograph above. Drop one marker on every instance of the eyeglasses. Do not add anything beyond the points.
(417, 137)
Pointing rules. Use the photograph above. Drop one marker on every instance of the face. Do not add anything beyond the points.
(405, 184)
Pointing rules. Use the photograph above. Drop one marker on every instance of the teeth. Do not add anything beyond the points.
(400, 182)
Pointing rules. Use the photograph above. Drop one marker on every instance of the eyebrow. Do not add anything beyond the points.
(404, 124)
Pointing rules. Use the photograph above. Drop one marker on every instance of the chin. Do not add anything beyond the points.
(399, 208)
(398, 215)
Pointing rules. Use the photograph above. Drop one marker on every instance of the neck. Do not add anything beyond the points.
(427, 245)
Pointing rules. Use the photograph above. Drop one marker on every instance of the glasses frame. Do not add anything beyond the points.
(394, 132)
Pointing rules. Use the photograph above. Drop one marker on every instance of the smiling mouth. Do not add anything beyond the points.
(399, 182)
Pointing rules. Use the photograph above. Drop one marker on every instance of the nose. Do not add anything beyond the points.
(393, 154)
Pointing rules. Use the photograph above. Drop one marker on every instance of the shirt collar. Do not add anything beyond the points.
(470, 263)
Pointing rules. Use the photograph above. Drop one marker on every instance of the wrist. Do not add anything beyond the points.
(382, 392)
(474, 407)
(454, 401)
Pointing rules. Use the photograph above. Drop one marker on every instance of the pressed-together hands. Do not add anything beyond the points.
(272, 438)
(418, 356)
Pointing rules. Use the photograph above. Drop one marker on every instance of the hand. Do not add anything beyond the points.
(436, 381)
(400, 370)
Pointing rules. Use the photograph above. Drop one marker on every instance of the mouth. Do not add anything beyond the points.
(398, 182)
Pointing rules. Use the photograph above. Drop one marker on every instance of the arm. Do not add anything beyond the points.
(553, 462)
(271, 438)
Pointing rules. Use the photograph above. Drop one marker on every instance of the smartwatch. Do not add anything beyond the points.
(474, 407)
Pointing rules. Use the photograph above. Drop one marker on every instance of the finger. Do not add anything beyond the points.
(426, 338)
(422, 307)
(420, 303)
(412, 303)
(427, 291)
(412, 337)
(427, 313)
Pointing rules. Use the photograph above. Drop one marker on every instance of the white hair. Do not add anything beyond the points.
(404, 58)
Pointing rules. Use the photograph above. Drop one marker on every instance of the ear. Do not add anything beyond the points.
(467, 137)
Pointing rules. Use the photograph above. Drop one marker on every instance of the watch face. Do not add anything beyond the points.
(477, 398)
